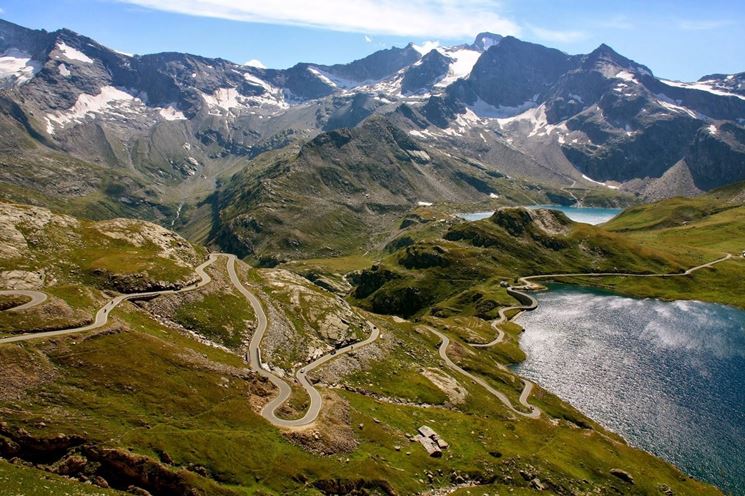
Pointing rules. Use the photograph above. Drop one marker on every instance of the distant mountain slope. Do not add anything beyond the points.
(343, 187)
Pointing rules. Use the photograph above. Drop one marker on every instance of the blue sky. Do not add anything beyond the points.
(682, 39)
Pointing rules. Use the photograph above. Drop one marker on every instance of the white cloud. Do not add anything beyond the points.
(558, 36)
(255, 63)
(426, 47)
(368, 39)
(416, 18)
(703, 25)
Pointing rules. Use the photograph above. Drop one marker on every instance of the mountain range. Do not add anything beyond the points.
(225, 152)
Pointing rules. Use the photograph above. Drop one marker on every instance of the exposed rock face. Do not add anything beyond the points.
(405, 301)
(139, 282)
(455, 392)
(431, 441)
(622, 474)
(325, 320)
(431, 68)
(356, 487)
(22, 279)
(717, 155)
(513, 71)
(20, 224)
(421, 257)
(369, 281)
(112, 467)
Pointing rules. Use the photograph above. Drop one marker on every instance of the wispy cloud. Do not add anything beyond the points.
(416, 18)
(368, 39)
(704, 24)
(558, 36)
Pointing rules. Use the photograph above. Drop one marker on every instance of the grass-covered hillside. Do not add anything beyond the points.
(695, 230)
(162, 399)
(75, 260)
(461, 270)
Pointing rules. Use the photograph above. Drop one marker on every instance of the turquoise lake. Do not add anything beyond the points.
(668, 376)
(588, 215)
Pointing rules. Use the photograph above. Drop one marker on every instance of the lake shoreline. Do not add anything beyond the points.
(585, 215)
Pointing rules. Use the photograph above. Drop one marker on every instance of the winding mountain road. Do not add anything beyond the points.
(268, 412)
(37, 298)
(254, 353)
(102, 316)
(535, 412)
(316, 401)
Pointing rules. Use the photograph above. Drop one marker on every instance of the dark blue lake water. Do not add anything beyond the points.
(588, 215)
(668, 376)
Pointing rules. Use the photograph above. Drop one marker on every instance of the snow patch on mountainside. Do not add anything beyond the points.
(626, 76)
(223, 99)
(463, 62)
(109, 100)
(390, 87)
(610, 186)
(675, 106)
(707, 86)
(535, 116)
(331, 80)
(16, 68)
(250, 78)
(426, 47)
(535, 123)
(71, 53)
(63, 70)
(486, 110)
(272, 96)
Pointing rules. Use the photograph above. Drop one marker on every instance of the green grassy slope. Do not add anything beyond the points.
(461, 271)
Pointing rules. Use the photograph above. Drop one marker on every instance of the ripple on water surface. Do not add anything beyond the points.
(668, 376)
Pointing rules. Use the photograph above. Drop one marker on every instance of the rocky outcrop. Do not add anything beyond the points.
(431, 441)
(423, 256)
(138, 282)
(22, 224)
(370, 280)
(622, 474)
(74, 456)
(354, 487)
(402, 300)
